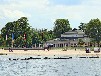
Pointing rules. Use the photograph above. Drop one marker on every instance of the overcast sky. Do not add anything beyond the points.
(43, 13)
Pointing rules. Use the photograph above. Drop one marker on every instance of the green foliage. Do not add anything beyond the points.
(18, 28)
(82, 26)
(81, 42)
(1, 40)
(61, 26)
(93, 30)
(35, 36)
(41, 36)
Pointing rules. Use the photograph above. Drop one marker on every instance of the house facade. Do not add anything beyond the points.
(74, 38)
(71, 38)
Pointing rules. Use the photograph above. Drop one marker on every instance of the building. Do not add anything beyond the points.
(74, 37)
(58, 43)
(71, 38)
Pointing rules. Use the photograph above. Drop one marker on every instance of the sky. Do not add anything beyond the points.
(43, 13)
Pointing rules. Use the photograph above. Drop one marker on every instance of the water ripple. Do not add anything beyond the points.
(49, 67)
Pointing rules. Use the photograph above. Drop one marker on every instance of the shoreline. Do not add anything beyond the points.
(56, 52)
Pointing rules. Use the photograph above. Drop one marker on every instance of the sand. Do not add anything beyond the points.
(55, 52)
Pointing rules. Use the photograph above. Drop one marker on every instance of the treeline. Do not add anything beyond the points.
(93, 30)
(20, 34)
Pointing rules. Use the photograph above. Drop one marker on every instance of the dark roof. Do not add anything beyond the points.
(74, 32)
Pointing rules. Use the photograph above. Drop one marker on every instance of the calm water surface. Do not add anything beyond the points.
(49, 67)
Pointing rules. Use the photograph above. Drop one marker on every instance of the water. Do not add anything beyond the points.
(49, 67)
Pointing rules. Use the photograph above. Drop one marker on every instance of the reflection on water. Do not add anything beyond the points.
(49, 67)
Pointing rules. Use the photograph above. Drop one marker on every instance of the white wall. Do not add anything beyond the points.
(71, 35)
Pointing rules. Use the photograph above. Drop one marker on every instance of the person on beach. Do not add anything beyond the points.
(87, 50)
(46, 47)
(10, 50)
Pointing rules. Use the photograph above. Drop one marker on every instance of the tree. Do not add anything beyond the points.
(1, 40)
(74, 29)
(36, 38)
(18, 28)
(81, 42)
(7, 30)
(19, 42)
(92, 42)
(82, 26)
(46, 35)
(61, 26)
(93, 30)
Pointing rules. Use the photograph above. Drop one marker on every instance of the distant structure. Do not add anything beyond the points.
(71, 38)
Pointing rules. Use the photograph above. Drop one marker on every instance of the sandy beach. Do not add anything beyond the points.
(55, 52)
